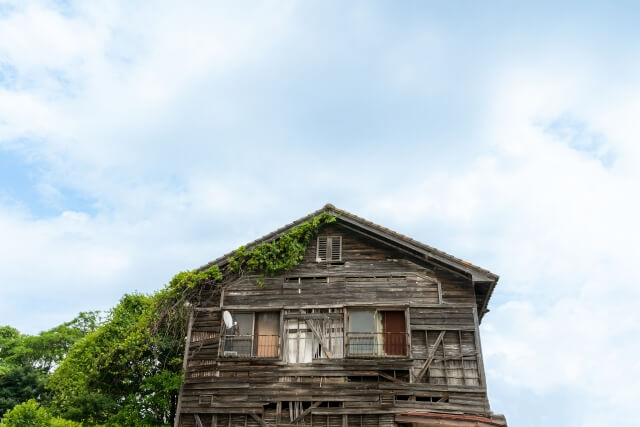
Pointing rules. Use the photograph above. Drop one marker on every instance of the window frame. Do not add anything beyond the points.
(329, 248)
(338, 315)
(253, 355)
(377, 308)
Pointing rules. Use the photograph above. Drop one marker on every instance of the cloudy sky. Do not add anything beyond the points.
(137, 141)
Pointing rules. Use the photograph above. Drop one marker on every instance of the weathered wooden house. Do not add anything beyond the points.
(372, 328)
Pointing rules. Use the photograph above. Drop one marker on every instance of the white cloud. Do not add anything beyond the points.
(562, 233)
(143, 113)
(95, 75)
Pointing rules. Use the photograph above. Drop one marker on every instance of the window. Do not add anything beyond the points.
(329, 249)
(313, 334)
(375, 332)
(251, 334)
(454, 357)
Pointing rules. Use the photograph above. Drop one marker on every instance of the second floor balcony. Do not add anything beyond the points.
(377, 344)
(267, 346)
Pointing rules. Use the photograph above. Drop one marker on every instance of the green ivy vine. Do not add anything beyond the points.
(265, 259)
(282, 254)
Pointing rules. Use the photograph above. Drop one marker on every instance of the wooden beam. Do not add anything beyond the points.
(198, 420)
(185, 361)
(306, 412)
(257, 418)
(479, 361)
(427, 362)
(278, 412)
(392, 379)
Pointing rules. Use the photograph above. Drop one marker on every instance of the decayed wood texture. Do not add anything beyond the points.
(441, 371)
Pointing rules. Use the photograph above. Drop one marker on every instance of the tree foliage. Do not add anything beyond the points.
(126, 370)
(20, 384)
(31, 414)
(119, 369)
(28, 414)
(26, 360)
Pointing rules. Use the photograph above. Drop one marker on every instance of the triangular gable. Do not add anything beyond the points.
(483, 280)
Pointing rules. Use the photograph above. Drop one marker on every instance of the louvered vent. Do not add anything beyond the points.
(322, 249)
(329, 249)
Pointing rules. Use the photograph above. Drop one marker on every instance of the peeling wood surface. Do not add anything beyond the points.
(441, 372)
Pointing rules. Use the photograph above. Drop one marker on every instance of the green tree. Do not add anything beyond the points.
(20, 384)
(27, 414)
(121, 371)
(31, 414)
(48, 348)
(27, 360)
(11, 344)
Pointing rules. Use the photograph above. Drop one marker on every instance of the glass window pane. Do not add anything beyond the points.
(362, 321)
(239, 337)
(242, 324)
(362, 325)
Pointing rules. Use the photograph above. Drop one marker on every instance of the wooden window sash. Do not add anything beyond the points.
(253, 349)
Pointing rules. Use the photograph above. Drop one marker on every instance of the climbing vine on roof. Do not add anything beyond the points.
(265, 259)
(279, 255)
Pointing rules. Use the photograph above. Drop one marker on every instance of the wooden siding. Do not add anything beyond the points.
(441, 371)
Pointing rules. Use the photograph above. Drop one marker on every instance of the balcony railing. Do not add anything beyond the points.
(359, 344)
(377, 343)
(251, 346)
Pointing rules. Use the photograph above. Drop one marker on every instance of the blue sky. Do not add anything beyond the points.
(139, 141)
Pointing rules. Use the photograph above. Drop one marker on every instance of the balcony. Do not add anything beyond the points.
(359, 344)
(377, 344)
(267, 346)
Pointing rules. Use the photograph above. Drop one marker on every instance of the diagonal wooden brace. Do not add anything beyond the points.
(258, 419)
(427, 363)
(306, 412)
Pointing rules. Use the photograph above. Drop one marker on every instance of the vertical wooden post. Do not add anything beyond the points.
(253, 334)
(408, 349)
(345, 332)
(278, 412)
(281, 349)
(185, 358)
(479, 361)
(444, 358)
(222, 325)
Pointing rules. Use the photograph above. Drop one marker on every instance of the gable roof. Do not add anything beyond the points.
(483, 280)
